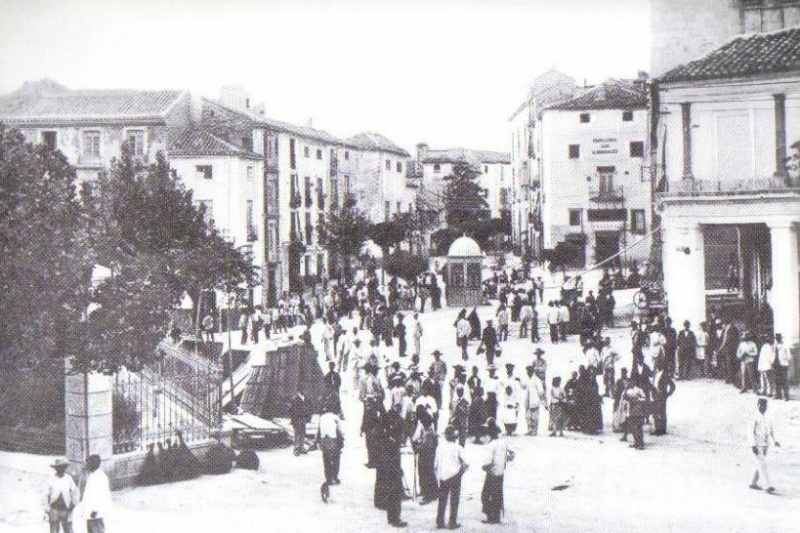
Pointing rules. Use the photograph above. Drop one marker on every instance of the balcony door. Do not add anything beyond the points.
(605, 180)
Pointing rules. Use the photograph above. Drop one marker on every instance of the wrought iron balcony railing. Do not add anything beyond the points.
(693, 187)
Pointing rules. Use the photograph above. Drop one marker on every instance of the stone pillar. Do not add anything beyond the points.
(686, 124)
(88, 406)
(780, 135)
(785, 293)
(684, 272)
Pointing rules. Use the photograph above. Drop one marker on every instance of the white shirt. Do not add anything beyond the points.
(534, 392)
(760, 433)
(462, 328)
(563, 314)
(330, 425)
(499, 456)
(766, 357)
(96, 494)
(552, 315)
(428, 403)
(449, 458)
(782, 353)
(62, 486)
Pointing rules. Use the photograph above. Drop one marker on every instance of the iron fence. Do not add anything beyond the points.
(172, 394)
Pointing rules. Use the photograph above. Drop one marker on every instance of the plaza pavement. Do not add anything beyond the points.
(694, 479)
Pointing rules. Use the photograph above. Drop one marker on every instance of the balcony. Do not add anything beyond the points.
(692, 187)
(611, 195)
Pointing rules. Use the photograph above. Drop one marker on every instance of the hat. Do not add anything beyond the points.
(437, 352)
(491, 368)
(538, 351)
(60, 462)
(450, 433)
(509, 365)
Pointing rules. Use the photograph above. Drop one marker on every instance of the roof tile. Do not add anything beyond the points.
(745, 56)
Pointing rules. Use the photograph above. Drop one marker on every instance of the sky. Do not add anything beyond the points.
(438, 71)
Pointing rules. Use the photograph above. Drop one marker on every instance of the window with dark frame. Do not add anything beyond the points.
(627, 116)
(574, 217)
(292, 155)
(91, 143)
(135, 140)
(306, 151)
(388, 165)
(50, 139)
(399, 166)
(574, 151)
(638, 221)
(247, 143)
(346, 155)
(319, 154)
(637, 149)
(585, 118)
(206, 171)
(437, 167)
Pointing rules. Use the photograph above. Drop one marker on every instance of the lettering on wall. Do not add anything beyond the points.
(605, 145)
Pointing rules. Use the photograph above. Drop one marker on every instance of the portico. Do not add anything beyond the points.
(767, 288)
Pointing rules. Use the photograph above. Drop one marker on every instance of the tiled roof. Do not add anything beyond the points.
(464, 155)
(745, 56)
(375, 142)
(197, 142)
(47, 101)
(611, 94)
(489, 157)
(279, 125)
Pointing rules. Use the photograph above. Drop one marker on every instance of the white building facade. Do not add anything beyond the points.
(730, 205)
(595, 190)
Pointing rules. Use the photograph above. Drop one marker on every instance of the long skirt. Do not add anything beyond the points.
(557, 417)
(492, 496)
(620, 416)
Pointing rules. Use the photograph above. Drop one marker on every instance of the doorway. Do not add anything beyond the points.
(606, 245)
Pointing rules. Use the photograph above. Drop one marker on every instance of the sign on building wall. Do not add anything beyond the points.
(605, 146)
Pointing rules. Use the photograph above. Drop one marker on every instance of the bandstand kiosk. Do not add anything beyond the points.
(464, 265)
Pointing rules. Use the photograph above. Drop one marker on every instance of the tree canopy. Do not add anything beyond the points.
(405, 265)
(343, 231)
(464, 198)
(45, 260)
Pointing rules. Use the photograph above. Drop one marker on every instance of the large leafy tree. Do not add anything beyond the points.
(45, 261)
(464, 198)
(343, 231)
(45, 268)
(148, 230)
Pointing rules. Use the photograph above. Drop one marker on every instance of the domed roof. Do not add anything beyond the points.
(464, 247)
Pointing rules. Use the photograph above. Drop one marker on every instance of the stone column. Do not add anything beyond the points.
(88, 406)
(786, 286)
(684, 271)
(686, 124)
(780, 135)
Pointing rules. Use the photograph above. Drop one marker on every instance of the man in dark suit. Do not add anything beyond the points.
(670, 345)
(333, 383)
(687, 350)
(663, 387)
(728, 344)
(299, 414)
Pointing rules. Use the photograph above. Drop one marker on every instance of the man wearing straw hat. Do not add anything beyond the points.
(60, 497)
(495, 467)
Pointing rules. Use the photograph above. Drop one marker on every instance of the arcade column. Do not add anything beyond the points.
(786, 286)
(684, 271)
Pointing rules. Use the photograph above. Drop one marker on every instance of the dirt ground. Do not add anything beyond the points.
(694, 479)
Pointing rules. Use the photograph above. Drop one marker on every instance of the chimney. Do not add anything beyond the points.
(422, 151)
(234, 96)
(195, 108)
